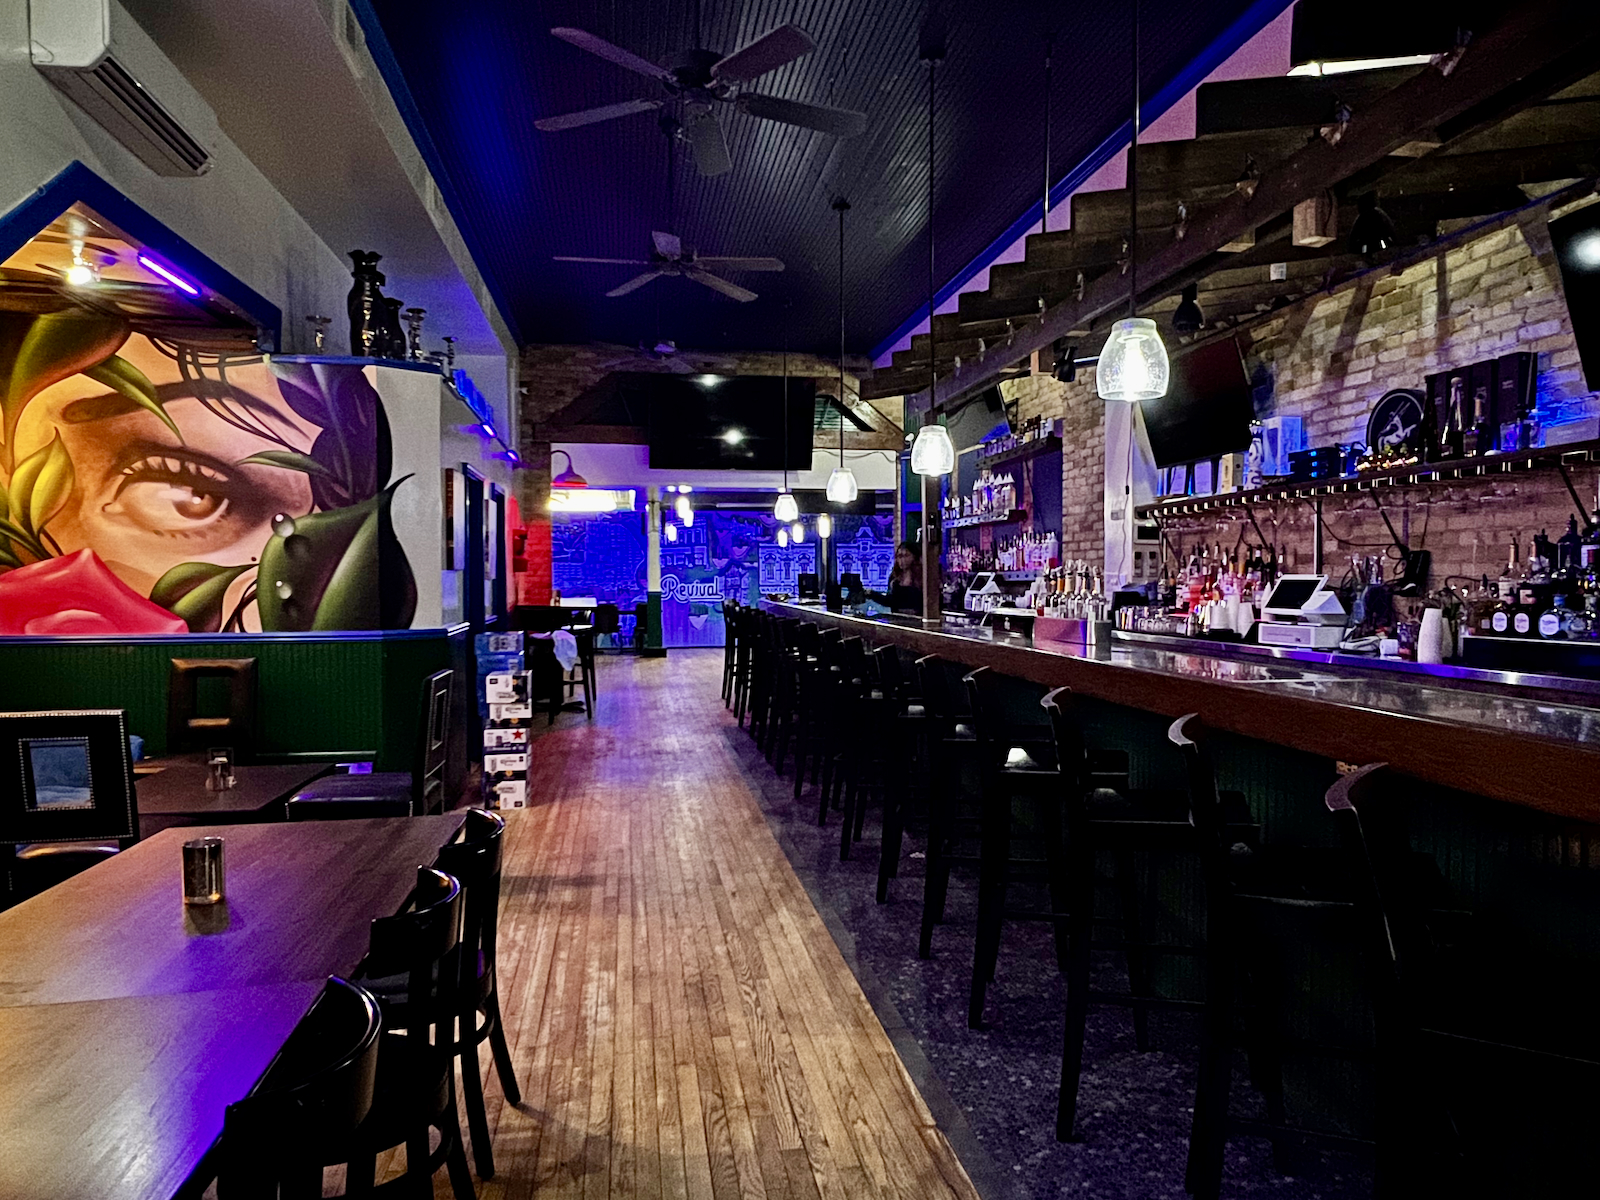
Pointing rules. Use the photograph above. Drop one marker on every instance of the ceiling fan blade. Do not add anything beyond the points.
(667, 244)
(783, 45)
(718, 284)
(593, 116)
(741, 264)
(709, 145)
(616, 262)
(601, 48)
(634, 284)
(840, 122)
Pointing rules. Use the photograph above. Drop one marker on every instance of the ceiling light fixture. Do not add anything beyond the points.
(672, 532)
(167, 273)
(684, 509)
(81, 273)
(783, 537)
(1133, 363)
(1187, 317)
(932, 453)
(797, 533)
(824, 526)
(733, 436)
(842, 486)
(1374, 230)
(568, 478)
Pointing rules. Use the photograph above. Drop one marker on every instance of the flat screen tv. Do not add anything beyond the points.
(1576, 238)
(1207, 409)
(707, 422)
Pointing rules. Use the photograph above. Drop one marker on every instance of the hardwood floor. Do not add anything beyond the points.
(681, 1022)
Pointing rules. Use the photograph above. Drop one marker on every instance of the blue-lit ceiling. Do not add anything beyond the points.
(473, 75)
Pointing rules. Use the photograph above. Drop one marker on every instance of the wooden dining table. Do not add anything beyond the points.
(172, 791)
(128, 1022)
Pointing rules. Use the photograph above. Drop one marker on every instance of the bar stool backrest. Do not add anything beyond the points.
(890, 676)
(1371, 817)
(1188, 734)
(1072, 750)
(1007, 712)
(309, 1101)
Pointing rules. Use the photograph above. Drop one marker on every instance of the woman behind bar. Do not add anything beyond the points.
(905, 580)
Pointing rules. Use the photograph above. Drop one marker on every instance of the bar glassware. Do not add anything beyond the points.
(202, 871)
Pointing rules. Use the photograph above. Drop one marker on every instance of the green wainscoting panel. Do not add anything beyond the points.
(351, 695)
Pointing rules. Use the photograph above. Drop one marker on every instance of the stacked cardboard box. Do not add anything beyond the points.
(507, 717)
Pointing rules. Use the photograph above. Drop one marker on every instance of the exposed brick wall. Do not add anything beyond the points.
(1329, 359)
(1083, 454)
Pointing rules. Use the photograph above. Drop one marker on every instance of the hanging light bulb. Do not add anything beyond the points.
(783, 537)
(688, 518)
(672, 533)
(842, 486)
(797, 533)
(786, 509)
(933, 453)
(824, 526)
(1133, 365)
(685, 510)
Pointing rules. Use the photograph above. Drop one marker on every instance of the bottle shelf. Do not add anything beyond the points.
(1033, 449)
(1485, 468)
(1009, 518)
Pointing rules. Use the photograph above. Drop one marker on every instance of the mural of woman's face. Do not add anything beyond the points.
(143, 499)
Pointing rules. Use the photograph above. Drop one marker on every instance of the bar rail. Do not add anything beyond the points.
(1526, 751)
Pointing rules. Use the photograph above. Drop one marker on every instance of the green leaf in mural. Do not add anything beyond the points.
(40, 486)
(123, 377)
(8, 559)
(343, 569)
(21, 537)
(196, 591)
(56, 346)
(289, 461)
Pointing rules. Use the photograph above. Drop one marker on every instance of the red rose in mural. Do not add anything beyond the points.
(77, 594)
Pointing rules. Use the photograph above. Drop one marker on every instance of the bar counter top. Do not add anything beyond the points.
(1528, 750)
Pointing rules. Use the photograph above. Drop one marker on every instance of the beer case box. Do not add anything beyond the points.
(502, 714)
(498, 643)
(494, 764)
(505, 687)
(506, 738)
(507, 793)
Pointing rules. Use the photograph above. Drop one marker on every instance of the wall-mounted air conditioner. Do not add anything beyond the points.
(97, 55)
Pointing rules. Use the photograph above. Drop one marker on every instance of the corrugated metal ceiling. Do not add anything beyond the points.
(476, 74)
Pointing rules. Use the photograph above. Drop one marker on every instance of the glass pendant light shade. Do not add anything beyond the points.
(786, 509)
(797, 533)
(685, 510)
(783, 537)
(933, 453)
(842, 488)
(1133, 365)
(824, 526)
(672, 533)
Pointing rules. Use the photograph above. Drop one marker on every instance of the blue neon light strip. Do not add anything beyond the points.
(1259, 15)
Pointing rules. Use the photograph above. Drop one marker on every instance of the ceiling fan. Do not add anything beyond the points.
(669, 256)
(702, 78)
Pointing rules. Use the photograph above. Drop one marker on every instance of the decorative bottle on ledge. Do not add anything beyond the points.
(365, 304)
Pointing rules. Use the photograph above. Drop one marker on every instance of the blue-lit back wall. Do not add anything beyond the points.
(723, 554)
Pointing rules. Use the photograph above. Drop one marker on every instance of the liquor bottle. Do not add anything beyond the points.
(1454, 436)
(1427, 434)
(1511, 578)
(1555, 621)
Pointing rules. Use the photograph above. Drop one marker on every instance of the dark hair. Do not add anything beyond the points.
(912, 548)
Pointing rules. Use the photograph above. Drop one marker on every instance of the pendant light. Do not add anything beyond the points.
(797, 533)
(783, 537)
(824, 526)
(842, 487)
(786, 509)
(1133, 365)
(672, 533)
(684, 509)
(932, 453)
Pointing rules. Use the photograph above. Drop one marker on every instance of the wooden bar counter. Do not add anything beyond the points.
(1526, 749)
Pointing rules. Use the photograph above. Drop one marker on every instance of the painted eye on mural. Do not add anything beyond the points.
(173, 493)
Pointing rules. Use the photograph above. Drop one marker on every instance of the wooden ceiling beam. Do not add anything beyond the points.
(1536, 48)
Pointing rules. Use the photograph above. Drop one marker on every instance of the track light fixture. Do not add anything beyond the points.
(1374, 230)
(1187, 317)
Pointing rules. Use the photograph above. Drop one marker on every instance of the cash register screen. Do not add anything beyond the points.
(1291, 593)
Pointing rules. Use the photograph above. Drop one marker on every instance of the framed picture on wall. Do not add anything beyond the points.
(455, 521)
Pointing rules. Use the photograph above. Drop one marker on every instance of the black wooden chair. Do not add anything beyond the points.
(1489, 1067)
(416, 1084)
(418, 792)
(304, 1111)
(905, 747)
(476, 860)
(68, 799)
(188, 729)
(953, 785)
